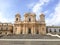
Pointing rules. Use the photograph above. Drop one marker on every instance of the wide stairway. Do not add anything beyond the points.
(28, 36)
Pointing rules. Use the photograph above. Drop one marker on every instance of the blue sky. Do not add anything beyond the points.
(51, 9)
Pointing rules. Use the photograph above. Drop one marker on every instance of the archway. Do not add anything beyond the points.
(29, 30)
(37, 32)
(21, 32)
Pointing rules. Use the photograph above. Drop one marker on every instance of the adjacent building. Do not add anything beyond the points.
(53, 29)
(6, 28)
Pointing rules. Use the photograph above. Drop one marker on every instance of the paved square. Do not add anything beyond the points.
(29, 42)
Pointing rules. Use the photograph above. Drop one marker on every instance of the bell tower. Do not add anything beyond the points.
(42, 18)
(16, 28)
(17, 17)
(43, 25)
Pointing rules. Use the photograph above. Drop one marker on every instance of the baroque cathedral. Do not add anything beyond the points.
(29, 25)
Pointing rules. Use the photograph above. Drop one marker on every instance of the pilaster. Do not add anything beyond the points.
(32, 31)
(24, 29)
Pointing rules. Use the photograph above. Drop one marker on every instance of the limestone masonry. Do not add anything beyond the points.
(29, 25)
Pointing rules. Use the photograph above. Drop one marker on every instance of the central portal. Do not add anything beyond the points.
(29, 30)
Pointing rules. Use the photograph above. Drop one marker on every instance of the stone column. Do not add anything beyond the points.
(32, 31)
(39, 29)
(24, 29)
(14, 30)
(41, 32)
(20, 29)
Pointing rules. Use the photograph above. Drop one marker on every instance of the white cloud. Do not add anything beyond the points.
(44, 1)
(4, 6)
(55, 20)
(2, 19)
(30, 5)
(54, 17)
(38, 6)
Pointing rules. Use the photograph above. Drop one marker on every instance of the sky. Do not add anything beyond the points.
(50, 8)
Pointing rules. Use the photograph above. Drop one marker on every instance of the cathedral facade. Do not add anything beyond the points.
(29, 25)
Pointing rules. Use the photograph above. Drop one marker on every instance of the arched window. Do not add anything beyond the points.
(50, 30)
(21, 31)
(16, 19)
(54, 30)
(5, 32)
(37, 32)
(59, 30)
(0, 32)
(29, 19)
(43, 29)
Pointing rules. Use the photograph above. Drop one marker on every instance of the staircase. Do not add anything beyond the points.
(28, 36)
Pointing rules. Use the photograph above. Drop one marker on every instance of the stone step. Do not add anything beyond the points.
(28, 36)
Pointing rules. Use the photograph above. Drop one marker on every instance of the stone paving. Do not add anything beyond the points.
(29, 42)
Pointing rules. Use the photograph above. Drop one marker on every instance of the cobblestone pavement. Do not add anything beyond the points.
(29, 42)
